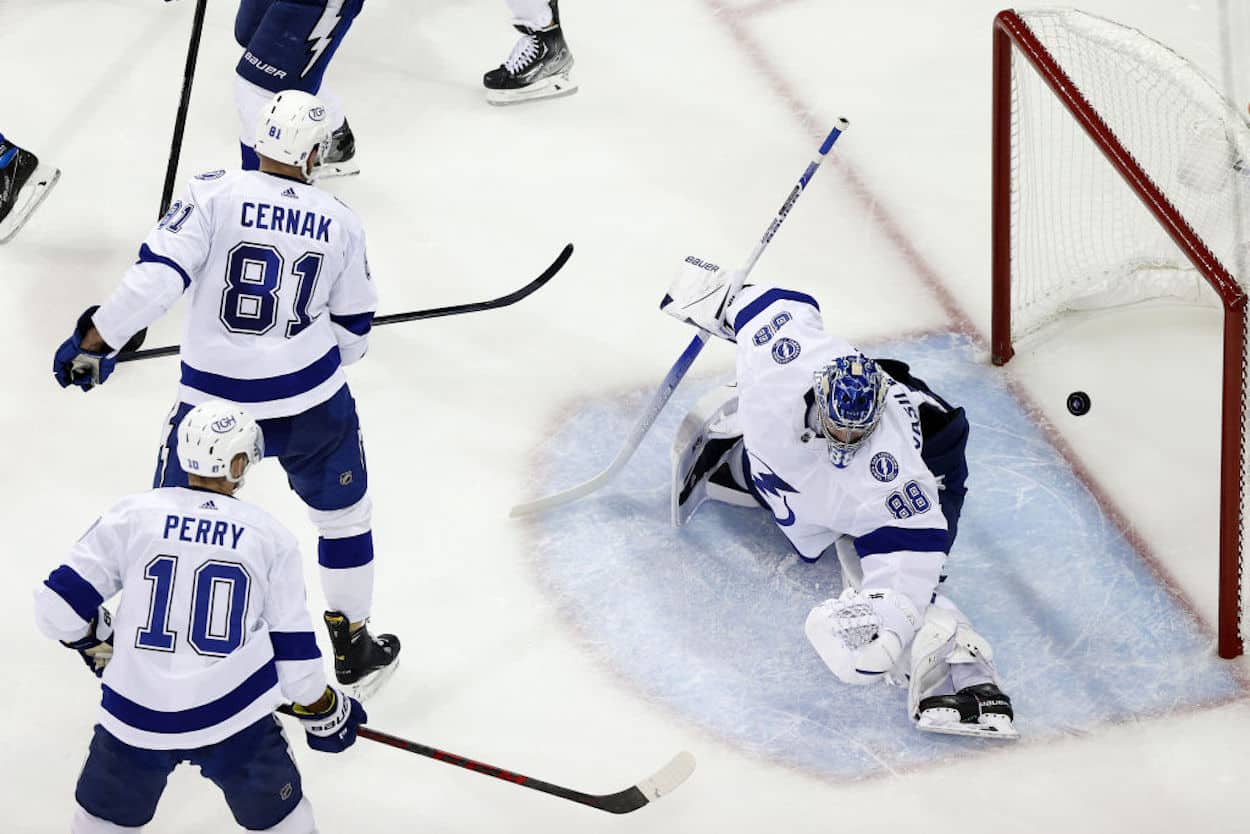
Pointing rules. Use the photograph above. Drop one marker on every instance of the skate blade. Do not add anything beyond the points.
(1001, 729)
(557, 86)
(34, 192)
(368, 686)
(331, 170)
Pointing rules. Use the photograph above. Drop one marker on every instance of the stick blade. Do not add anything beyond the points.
(669, 778)
(648, 790)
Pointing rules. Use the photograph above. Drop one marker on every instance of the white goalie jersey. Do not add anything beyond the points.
(886, 498)
(278, 284)
(212, 630)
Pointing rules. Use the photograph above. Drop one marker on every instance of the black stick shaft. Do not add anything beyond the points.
(180, 122)
(414, 315)
(479, 767)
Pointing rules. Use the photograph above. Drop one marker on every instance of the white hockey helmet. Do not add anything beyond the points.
(290, 127)
(212, 435)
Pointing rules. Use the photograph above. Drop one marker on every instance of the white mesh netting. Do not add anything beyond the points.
(1081, 236)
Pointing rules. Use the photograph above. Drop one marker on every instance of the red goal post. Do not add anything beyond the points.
(1117, 175)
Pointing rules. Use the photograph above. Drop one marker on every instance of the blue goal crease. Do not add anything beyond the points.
(709, 619)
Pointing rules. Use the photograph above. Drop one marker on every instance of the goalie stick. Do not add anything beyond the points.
(682, 366)
(414, 315)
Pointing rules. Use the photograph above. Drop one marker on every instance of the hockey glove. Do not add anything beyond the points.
(863, 636)
(96, 648)
(75, 365)
(699, 295)
(332, 729)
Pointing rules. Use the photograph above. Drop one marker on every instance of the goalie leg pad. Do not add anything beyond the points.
(954, 685)
(707, 439)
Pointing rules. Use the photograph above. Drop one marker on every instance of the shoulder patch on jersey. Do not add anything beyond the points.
(211, 175)
(786, 350)
(763, 336)
(884, 467)
(779, 320)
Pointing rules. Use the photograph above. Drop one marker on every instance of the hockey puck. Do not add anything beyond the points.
(1078, 403)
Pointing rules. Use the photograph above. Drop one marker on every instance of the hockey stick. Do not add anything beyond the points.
(663, 782)
(679, 369)
(395, 318)
(180, 122)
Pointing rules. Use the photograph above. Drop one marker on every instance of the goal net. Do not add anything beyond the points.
(1120, 174)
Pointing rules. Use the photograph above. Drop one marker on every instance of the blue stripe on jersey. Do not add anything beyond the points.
(147, 256)
(195, 718)
(294, 645)
(78, 592)
(351, 552)
(891, 539)
(360, 324)
(264, 389)
(769, 297)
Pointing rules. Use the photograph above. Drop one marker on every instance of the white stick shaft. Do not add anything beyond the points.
(683, 363)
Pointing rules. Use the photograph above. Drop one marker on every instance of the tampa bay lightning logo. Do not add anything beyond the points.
(211, 175)
(768, 482)
(786, 350)
(883, 467)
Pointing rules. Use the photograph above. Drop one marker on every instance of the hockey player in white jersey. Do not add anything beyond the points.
(848, 454)
(280, 300)
(210, 635)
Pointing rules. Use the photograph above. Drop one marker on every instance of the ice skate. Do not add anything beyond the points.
(538, 67)
(24, 183)
(362, 662)
(340, 159)
(982, 710)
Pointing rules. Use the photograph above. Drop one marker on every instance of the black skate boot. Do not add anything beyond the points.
(23, 185)
(362, 662)
(340, 158)
(981, 710)
(539, 66)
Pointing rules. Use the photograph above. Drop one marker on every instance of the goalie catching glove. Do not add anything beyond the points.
(330, 724)
(863, 636)
(700, 295)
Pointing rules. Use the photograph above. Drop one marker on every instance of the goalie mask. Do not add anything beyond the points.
(850, 396)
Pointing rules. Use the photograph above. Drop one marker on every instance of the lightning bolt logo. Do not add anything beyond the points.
(322, 33)
(769, 482)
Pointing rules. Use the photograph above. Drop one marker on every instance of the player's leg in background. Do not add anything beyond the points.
(256, 772)
(24, 183)
(119, 786)
(287, 45)
(169, 471)
(324, 458)
(540, 64)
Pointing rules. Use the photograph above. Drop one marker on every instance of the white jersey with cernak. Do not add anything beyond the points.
(885, 498)
(279, 290)
(212, 630)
